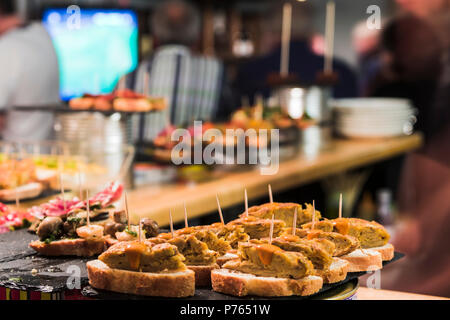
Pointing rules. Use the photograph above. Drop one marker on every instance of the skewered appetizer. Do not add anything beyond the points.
(64, 228)
(266, 270)
(140, 268)
(284, 212)
(370, 234)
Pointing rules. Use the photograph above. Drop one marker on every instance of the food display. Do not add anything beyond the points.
(271, 250)
(19, 180)
(11, 220)
(74, 227)
(120, 100)
(248, 256)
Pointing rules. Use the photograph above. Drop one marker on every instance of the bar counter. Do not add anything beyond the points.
(340, 156)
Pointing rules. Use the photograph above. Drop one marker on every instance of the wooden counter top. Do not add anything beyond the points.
(376, 294)
(341, 155)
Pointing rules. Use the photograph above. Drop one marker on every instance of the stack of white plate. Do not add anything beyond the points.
(373, 117)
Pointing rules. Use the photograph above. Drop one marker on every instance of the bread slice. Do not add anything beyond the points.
(386, 251)
(165, 284)
(363, 260)
(110, 241)
(242, 284)
(26, 191)
(69, 247)
(226, 257)
(203, 274)
(336, 272)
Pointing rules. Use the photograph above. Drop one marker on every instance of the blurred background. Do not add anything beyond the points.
(222, 62)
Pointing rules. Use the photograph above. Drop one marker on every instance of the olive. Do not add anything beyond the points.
(150, 227)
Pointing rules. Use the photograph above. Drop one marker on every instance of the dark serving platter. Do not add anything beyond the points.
(17, 261)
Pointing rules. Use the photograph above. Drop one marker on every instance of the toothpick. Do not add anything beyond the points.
(171, 222)
(140, 230)
(340, 206)
(79, 185)
(62, 191)
(271, 230)
(246, 202)
(270, 194)
(314, 216)
(126, 210)
(294, 223)
(220, 209)
(17, 199)
(88, 219)
(185, 216)
(285, 39)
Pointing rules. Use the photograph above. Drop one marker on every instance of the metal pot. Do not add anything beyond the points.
(296, 100)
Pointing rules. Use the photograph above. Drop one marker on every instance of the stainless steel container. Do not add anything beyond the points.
(297, 100)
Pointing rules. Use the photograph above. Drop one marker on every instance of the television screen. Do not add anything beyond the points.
(95, 47)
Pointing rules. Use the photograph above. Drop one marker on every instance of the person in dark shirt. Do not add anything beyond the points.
(304, 62)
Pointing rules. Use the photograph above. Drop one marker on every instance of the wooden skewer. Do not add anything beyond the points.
(171, 222)
(271, 230)
(79, 185)
(270, 194)
(88, 219)
(285, 39)
(140, 230)
(220, 209)
(126, 210)
(62, 191)
(17, 199)
(340, 206)
(329, 37)
(314, 216)
(186, 225)
(246, 202)
(294, 223)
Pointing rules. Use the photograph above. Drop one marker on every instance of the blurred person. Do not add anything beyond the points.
(194, 85)
(418, 54)
(412, 65)
(303, 61)
(28, 76)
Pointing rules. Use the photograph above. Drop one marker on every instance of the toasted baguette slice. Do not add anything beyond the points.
(242, 284)
(386, 251)
(336, 272)
(203, 274)
(69, 247)
(226, 257)
(26, 191)
(165, 284)
(363, 260)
